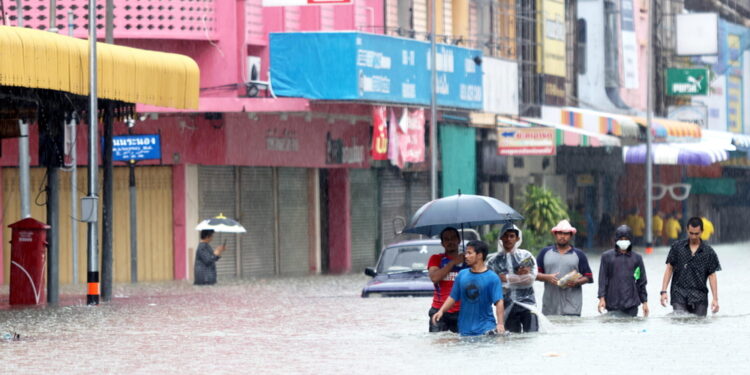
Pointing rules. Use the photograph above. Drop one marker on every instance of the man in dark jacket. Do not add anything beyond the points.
(205, 259)
(622, 277)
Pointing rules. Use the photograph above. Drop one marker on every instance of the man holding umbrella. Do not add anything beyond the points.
(443, 269)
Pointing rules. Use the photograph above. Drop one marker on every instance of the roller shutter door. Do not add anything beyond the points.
(293, 221)
(364, 218)
(216, 185)
(256, 204)
(393, 203)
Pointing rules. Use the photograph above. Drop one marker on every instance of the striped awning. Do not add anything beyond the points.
(672, 130)
(741, 141)
(571, 136)
(42, 60)
(599, 122)
(695, 153)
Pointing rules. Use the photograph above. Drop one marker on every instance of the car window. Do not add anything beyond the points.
(407, 258)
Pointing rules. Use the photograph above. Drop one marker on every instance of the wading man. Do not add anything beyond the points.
(622, 277)
(690, 263)
(517, 269)
(563, 269)
(443, 269)
(477, 289)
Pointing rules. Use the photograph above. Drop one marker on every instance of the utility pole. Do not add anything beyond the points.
(649, 125)
(108, 172)
(92, 276)
(433, 104)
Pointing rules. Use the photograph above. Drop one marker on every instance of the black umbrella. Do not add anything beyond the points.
(458, 211)
(221, 223)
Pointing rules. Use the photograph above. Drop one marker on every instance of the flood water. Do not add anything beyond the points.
(320, 325)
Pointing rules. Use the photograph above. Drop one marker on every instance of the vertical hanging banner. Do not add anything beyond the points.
(411, 141)
(393, 145)
(551, 52)
(379, 149)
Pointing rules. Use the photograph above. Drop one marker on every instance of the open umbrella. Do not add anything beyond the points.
(221, 223)
(462, 210)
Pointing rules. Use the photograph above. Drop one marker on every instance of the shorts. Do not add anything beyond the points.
(449, 321)
(697, 308)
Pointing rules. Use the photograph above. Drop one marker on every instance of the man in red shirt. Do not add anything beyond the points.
(443, 269)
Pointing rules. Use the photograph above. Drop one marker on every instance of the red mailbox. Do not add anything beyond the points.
(28, 250)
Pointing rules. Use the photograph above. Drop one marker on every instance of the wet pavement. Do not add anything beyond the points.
(320, 324)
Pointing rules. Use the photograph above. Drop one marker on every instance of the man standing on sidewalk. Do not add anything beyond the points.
(690, 263)
(558, 261)
(443, 269)
(477, 289)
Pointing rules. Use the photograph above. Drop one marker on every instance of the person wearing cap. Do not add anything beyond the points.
(517, 270)
(556, 261)
(622, 277)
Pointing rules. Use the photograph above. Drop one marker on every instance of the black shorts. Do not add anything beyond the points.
(449, 321)
(631, 311)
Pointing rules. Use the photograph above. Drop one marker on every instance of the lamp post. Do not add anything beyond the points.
(433, 104)
(649, 123)
(92, 275)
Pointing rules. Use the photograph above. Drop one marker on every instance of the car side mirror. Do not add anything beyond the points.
(370, 271)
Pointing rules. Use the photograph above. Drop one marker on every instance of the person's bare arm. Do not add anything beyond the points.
(665, 284)
(446, 306)
(500, 316)
(436, 273)
(714, 284)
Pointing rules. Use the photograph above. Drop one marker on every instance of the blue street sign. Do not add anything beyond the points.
(136, 147)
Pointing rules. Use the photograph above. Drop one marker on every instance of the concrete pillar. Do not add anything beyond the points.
(339, 222)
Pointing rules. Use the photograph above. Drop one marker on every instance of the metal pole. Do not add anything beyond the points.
(107, 204)
(649, 122)
(109, 17)
(133, 224)
(24, 162)
(92, 277)
(73, 180)
(433, 105)
(53, 238)
(53, 16)
(19, 13)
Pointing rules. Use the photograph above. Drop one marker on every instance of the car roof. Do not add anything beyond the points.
(414, 243)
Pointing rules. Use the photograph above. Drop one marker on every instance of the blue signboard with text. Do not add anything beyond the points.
(373, 67)
(136, 147)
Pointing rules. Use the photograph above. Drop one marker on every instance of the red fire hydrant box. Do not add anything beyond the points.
(28, 251)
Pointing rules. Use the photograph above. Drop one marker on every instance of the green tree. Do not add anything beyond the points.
(542, 209)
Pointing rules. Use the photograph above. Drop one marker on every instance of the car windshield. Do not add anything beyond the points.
(407, 258)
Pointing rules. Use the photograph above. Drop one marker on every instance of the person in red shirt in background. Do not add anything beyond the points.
(442, 269)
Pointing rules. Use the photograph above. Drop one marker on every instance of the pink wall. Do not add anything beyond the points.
(339, 222)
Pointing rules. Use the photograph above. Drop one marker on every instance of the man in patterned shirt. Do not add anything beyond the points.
(689, 264)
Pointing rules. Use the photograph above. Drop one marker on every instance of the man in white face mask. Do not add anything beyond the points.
(622, 277)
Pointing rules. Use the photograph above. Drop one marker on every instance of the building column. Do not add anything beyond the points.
(339, 222)
(178, 217)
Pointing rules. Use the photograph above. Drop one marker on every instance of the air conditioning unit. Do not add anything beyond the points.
(254, 84)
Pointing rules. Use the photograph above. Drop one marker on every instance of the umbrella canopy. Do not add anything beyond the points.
(697, 153)
(462, 210)
(221, 223)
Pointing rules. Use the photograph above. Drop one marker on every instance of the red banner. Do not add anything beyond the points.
(379, 149)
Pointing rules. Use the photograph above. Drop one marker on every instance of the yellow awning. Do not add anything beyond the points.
(40, 59)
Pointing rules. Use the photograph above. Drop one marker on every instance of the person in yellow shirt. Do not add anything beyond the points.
(657, 227)
(708, 229)
(672, 229)
(638, 227)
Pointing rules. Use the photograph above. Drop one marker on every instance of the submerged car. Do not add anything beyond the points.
(402, 270)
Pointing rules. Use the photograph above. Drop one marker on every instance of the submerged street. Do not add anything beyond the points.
(320, 324)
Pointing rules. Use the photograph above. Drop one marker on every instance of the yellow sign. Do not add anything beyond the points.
(551, 37)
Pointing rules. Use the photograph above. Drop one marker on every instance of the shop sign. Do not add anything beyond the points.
(525, 141)
(136, 147)
(687, 81)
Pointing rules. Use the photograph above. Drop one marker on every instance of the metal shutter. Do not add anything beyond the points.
(216, 186)
(256, 205)
(293, 221)
(393, 203)
(364, 217)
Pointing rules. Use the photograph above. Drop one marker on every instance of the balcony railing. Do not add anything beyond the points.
(139, 19)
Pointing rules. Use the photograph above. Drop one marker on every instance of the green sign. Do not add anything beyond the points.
(687, 81)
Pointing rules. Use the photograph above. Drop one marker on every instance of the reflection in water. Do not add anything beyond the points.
(314, 325)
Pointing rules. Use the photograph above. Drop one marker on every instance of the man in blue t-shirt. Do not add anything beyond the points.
(478, 289)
